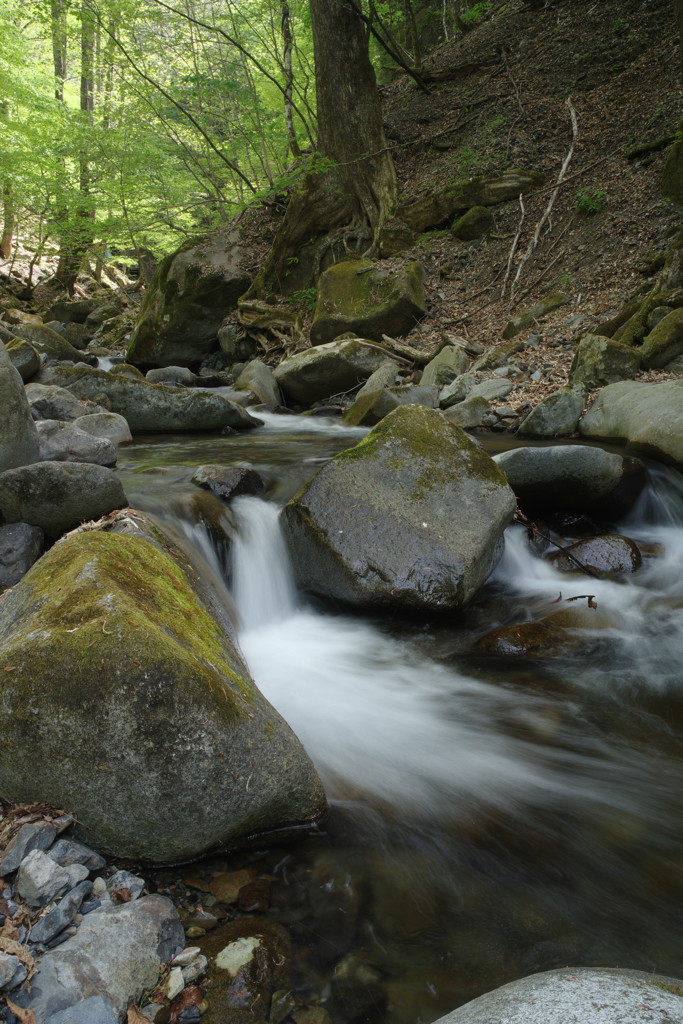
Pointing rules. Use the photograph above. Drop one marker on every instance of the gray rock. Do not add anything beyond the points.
(577, 995)
(35, 835)
(470, 413)
(228, 482)
(49, 402)
(452, 356)
(456, 391)
(557, 415)
(23, 356)
(95, 1010)
(412, 516)
(69, 851)
(489, 189)
(403, 394)
(58, 496)
(191, 293)
(108, 425)
(234, 346)
(126, 880)
(573, 478)
(20, 445)
(358, 296)
(78, 335)
(40, 880)
(116, 953)
(497, 355)
(57, 326)
(20, 546)
(492, 390)
(12, 971)
(152, 407)
(50, 344)
(72, 312)
(647, 417)
(175, 376)
(600, 360)
(327, 370)
(664, 342)
(382, 377)
(260, 380)
(48, 927)
(64, 442)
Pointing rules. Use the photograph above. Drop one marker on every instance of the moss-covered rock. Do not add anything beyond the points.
(191, 292)
(664, 342)
(23, 357)
(672, 174)
(497, 355)
(402, 394)
(603, 361)
(327, 370)
(124, 701)
(49, 343)
(412, 517)
(469, 413)
(452, 357)
(477, 222)
(435, 208)
(151, 407)
(358, 296)
(19, 443)
(370, 393)
(529, 316)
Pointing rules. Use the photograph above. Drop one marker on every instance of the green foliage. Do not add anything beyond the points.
(476, 12)
(590, 201)
(305, 297)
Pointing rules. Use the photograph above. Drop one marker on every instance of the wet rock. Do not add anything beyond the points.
(49, 402)
(572, 478)
(603, 361)
(451, 356)
(337, 895)
(175, 376)
(526, 640)
(260, 380)
(116, 953)
(23, 357)
(580, 995)
(63, 914)
(327, 370)
(252, 962)
(20, 445)
(412, 517)
(228, 482)
(58, 496)
(557, 415)
(605, 556)
(528, 317)
(357, 988)
(20, 546)
(152, 407)
(108, 425)
(112, 619)
(648, 417)
(357, 296)
(65, 442)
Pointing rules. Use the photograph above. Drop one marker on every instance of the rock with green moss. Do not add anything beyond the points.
(412, 517)
(327, 370)
(453, 358)
(359, 296)
(647, 417)
(664, 342)
(371, 391)
(469, 413)
(23, 357)
(497, 355)
(477, 222)
(126, 703)
(46, 341)
(58, 496)
(603, 361)
(672, 174)
(402, 394)
(435, 208)
(19, 443)
(557, 415)
(529, 316)
(190, 294)
(151, 407)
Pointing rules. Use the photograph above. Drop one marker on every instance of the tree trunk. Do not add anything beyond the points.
(286, 24)
(351, 191)
(678, 7)
(8, 207)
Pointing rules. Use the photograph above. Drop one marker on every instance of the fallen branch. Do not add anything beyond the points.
(414, 355)
(513, 247)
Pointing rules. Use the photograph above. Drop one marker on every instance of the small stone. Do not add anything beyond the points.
(62, 915)
(536, 375)
(190, 1015)
(10, 969)
(195, 970)
(68, 851)
(502, 371)
(38, 835)
(175, 983)
(186, 956)
(225, 885)
(195, 932)
(125, 880)
(39, 879)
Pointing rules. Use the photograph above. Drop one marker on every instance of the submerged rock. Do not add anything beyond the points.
(412, 516)
(183, 753)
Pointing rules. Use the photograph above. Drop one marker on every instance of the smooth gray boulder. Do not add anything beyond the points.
(648, 418)
(108, 425)
(116, 954)
(49, 343)
(457, 390)
(19, 444)
(260, 380)
(600, 360)
(451, 357)
(577, 995)
(383, 376)
(20, 546)
(58, 496)
(412, 517)
(469, 413)
(572, 478)
(24, 357)
(557, 415)
(152, 408)
(50, 402)
(327, 370)
(184, 755)
(175, 376)
(65, 442)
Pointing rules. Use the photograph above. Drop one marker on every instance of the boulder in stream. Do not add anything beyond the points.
(413, 517)
(20, 445)
(327, 370)
(647, 417)
(124, 700)
(65, 442)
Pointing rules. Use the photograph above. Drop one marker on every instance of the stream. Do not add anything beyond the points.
(489, 818)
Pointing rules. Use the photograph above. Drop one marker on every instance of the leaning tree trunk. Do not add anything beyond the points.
(352, 190)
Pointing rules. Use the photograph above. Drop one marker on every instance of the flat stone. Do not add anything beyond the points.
(228, 482)
(69, 851)
(11, 969)
(63, 914)
(40, 880)
(491, 390)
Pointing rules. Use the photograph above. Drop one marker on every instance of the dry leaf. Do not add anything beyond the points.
(122, 895)
(24, 1016)
(16, 949)
(136, 1016)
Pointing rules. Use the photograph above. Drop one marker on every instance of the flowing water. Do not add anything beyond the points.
(489, 818)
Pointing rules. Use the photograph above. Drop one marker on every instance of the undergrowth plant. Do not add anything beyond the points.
(590, 201)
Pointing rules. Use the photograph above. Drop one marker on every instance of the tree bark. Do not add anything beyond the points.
(287, 42)
(678, 8)
(8, 206)
(351, 191)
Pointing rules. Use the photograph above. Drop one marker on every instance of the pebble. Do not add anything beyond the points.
(186, 956)
(195, 932)
(38, 835)
(12, 971)
(126, 880)
(195, 970)
(536, 375)
(175, 983)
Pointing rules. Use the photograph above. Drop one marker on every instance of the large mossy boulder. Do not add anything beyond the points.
(435, 208)
(664, 342)
(600, 360)
(358, 296)
(24, 357)
(191, 292)
(412, 517)
(648, 418)
(123, 700)
(327, 370)
(19, 443)
(50, 344)
(151, 407)
(672, 174)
